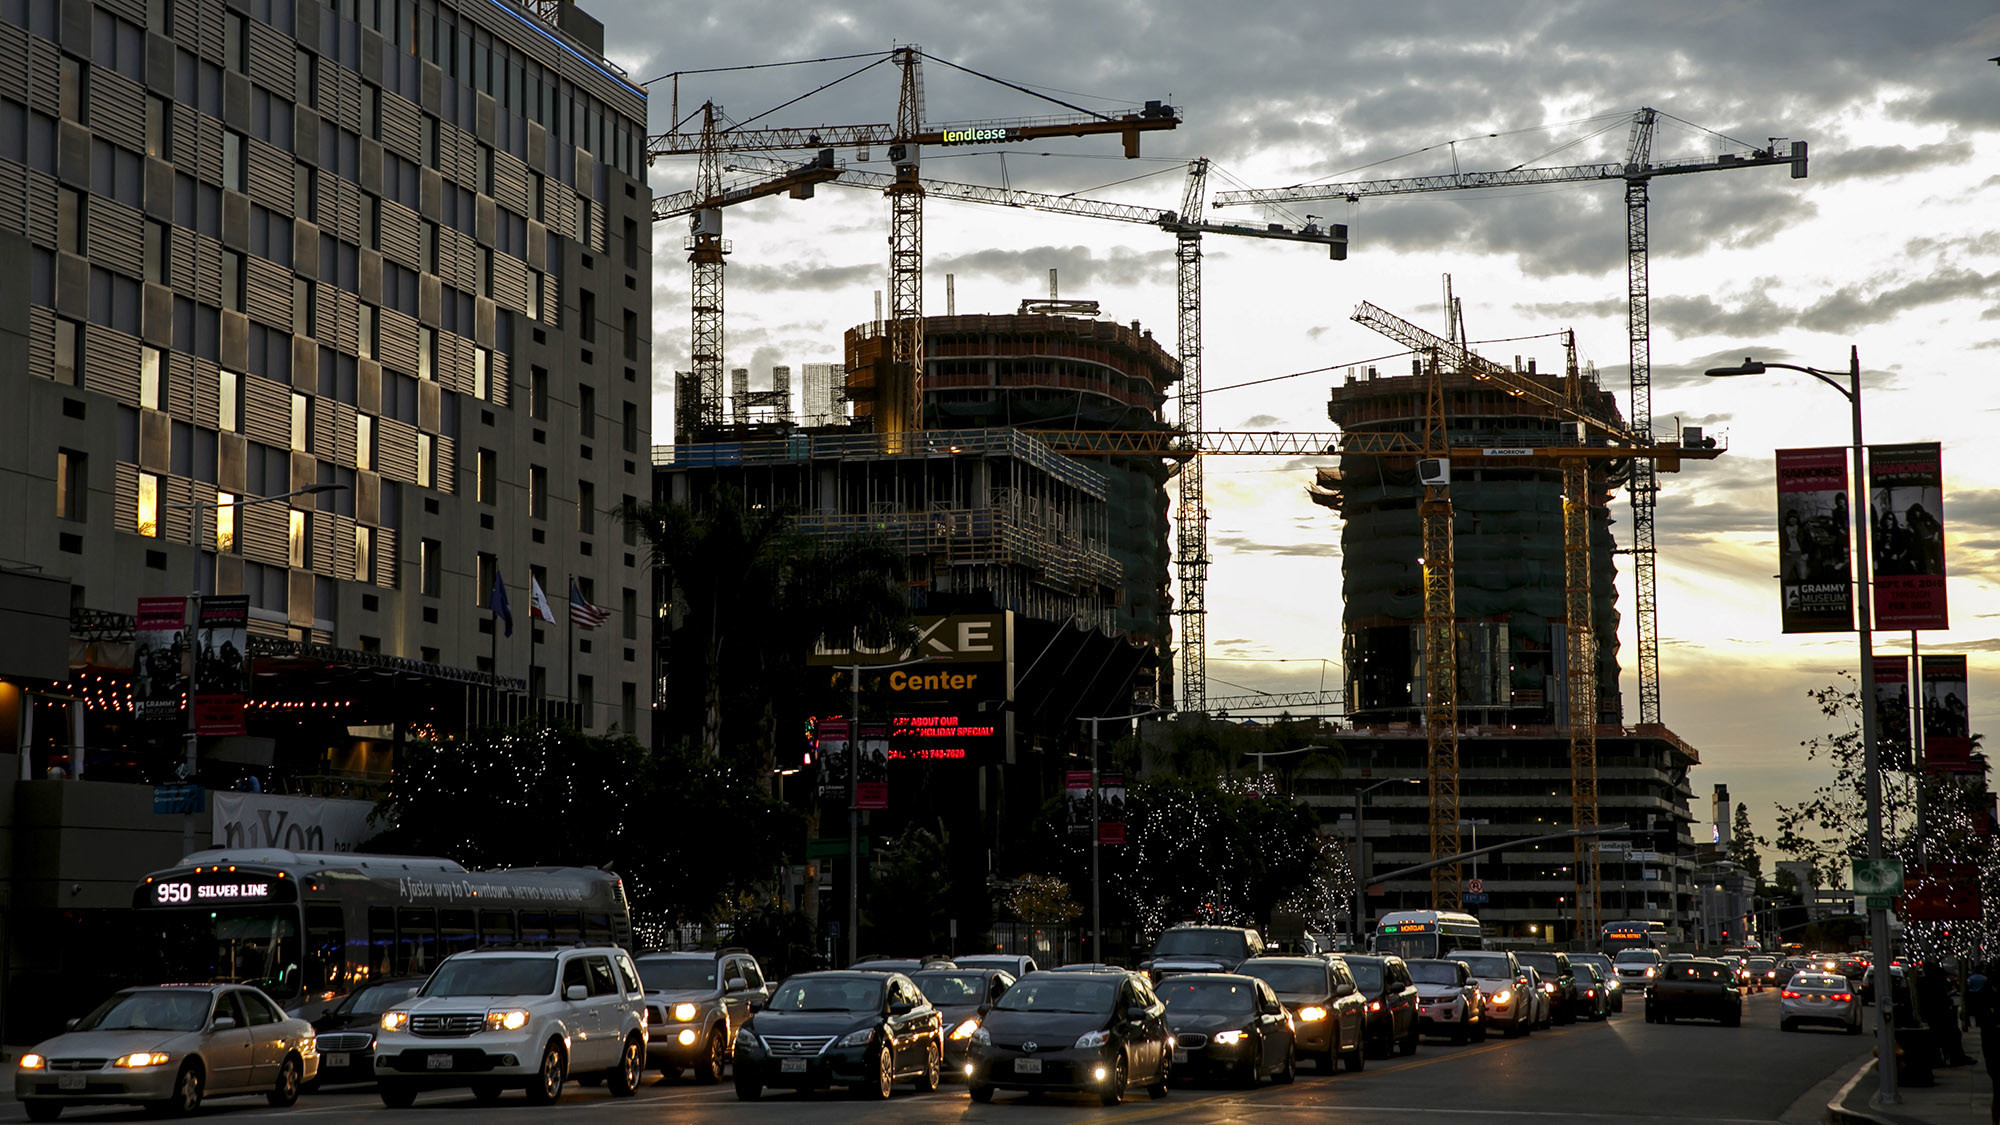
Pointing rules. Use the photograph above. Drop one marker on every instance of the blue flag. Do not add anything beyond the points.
(497, 602)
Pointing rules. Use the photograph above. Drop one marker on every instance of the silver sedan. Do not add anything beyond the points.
(169, 1047)
(1819, 998)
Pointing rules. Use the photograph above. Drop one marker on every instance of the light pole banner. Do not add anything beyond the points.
(1906, 495)
(1111, 809)
(1892, 711)
(1076, 798)
(1813, 567)
(222, 664)
(1947, 723)
(871, 790)
(159, 641)
(830, 741)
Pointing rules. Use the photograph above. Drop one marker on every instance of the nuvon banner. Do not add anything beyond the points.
(1906, 529)
(1814, 573)
(1892, 711)
(1947, 717)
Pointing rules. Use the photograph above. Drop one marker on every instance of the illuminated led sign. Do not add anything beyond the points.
(945, 737)
(216, 888)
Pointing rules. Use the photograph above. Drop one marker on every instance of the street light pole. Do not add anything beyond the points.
(1871, 760)
(1360, 863)
(1096, 815)
(853, 795)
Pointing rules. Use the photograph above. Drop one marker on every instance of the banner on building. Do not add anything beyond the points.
(1076, 798)
(1814, 572)
(871, 786)
(830, 743)
(221, 665)
(300, 824)
(1906, 501)
(1946, 717)
(1941, 892)
(159, 648)
(1892, 711)
(1111, 809)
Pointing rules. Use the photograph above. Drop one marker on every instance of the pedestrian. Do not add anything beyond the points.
(1983, 1006)
(1933, 990)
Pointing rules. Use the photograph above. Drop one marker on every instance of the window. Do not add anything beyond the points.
(364, 441)
(485, 170)
(159, 127)
(305, 307)
(482, 365)
(160, 17)
(631, 334)
(225, 522)
(586, 411)
(225, 400)
(305, 193)
(149, 377)
(371, 111)
(426, 461)
(301, 422)
(485, 567)
(69, 351)
(581, 230)
(236, 42)
(149, 506)
(538, 393)
(159, 253)
(430, 567)
(371, 222)
(431, 143)
(631, 532)
(72, 212)
(426, 353)
(71, 484)
(73, 75)
(534, 310)
(538, 492)
(631, 435)
(487, 484)
(364, 553)
(486, 271)
(430, 247)
(586, 507)
(232, 280)
(628, 698)
(629, 604)
(586, 315)
(367, 345)
(295, 538)
(631, 245)
(232, 160)
(537, 198)
(305, 78)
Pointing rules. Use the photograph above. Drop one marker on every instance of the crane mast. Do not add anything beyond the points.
(1579, 631)
(906, 254)
(1191, 519)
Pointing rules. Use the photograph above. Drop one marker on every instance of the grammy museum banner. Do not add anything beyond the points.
(1814, 572)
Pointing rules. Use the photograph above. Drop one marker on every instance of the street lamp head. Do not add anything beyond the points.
(315, 489)
(1748, 367)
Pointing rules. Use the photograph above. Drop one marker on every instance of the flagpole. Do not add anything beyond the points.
(493, 660)
(569, 656)
(532, 633)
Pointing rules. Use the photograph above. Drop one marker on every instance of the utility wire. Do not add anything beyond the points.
(810, 93)
(1015, 86)
(761, 66)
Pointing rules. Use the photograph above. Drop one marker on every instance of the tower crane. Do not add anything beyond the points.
(904, 141)
(1188, 225)
(1637, 171)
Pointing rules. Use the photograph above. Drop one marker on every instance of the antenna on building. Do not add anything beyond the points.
(950, 295)
(878, 306)
(1052, 283)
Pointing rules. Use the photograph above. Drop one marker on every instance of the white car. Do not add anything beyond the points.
(1819, 998)
(1505, 1002)
(1544, 1008)
(494, 1019)
(168, 1048)
(1636, 969)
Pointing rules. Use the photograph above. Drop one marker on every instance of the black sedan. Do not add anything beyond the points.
(1229, 1027)
(1593, 992)
(1327, 1012)
(1393, 1005)
(962, 997)
(346, 1033)
(857, 1029)
(1096, 1033)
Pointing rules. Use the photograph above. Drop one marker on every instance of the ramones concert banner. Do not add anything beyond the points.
(159, 648)
(1813, 569)
(221, 664)
(1906, 528)
(1892, 711)
(1947, 718)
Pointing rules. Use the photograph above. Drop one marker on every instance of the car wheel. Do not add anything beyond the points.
(1854, 1028)
(1787, 1025)
(708, 1068)
(1410, 1041)
(748, 1089)
(1330, 1062)
(1114, 1087)
(624, 1081)
(486, 1091)
(43, 1111)
(1290, 1071)
(1358, 1057)
(188, 1088)
(1158, 1089)
(933, 1073)
(980, 1091)
(885, 1077)
(286, 1091)
(1479, 1031)
(546, 1087)
(396, 1094)
(1513, 1030)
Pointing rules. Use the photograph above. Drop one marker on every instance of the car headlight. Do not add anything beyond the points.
(508, 1019)
(857, 1038)
(746, 1038)
(1615, 986)
(1091, 1039)
(1374, 1005)
(1503, 997)
(685, 1013)
(1228, 1038)
(982, 1037)
(32, 1061)
(1312, 1013)
(1649, 972)
(1549, 988)
(965, 1030)
(142, 1058)
(395, 1021)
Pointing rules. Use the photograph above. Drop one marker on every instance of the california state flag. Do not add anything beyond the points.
(540, 603)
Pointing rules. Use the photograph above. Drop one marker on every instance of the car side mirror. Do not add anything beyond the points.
(1135, 1013)
(757, 1005)
(576, 992)
(735, 984)
(983, 1009)
(1344, 988)
(70, 1023)
(901, 1008)
(222, 1023)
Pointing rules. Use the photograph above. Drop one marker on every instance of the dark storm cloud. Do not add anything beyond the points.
(801, 276)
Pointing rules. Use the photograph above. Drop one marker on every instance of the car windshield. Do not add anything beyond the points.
(829, 994)
(1292, 980)
(952, 988)
(1367, 975)
(1069, 993)
(1586, 973)
(376, 998)
(153, 1009)
(1691, 970)
(1763, 964)
(1202, 943)
(1546, 962)
(1230, 997)
(1492, 966)
(1638, 957)
(1434, 972)
(1011, 964)
(493, 976)
(678, 974)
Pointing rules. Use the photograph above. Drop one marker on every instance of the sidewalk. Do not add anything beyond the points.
(1963, 1096)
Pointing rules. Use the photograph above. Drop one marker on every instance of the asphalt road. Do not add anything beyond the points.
(1626, 1072)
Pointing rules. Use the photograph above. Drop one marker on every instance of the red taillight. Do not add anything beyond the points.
(1843, 997)
(1788, 994)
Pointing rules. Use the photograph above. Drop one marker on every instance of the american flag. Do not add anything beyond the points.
(582, 612)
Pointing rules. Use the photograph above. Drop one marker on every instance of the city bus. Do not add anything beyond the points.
(1427, 933)
(1617, 936)
(307, 928)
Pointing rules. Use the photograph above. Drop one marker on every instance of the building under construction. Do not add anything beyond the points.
(1514, 768)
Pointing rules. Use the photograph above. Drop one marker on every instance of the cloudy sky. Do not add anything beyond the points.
(1891, 244)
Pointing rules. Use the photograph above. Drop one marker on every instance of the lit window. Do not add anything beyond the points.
(364, 442)
(149, 377)
(364, 553)
(482, 364)
(225, 400)
(426, 461)
(296, 537)
(149, 506)
(71, 486)
(225, 522)
(301, 410)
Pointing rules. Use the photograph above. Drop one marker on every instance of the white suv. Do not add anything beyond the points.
(530, 1018)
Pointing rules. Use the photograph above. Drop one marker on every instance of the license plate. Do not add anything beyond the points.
(334, 1059)
(1027, 1066)
(1180, 1054)
(791, 1066)
(437, 1062)
(69, 1081)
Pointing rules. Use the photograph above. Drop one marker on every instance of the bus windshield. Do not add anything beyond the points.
(255, 945)
(1408, 946)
